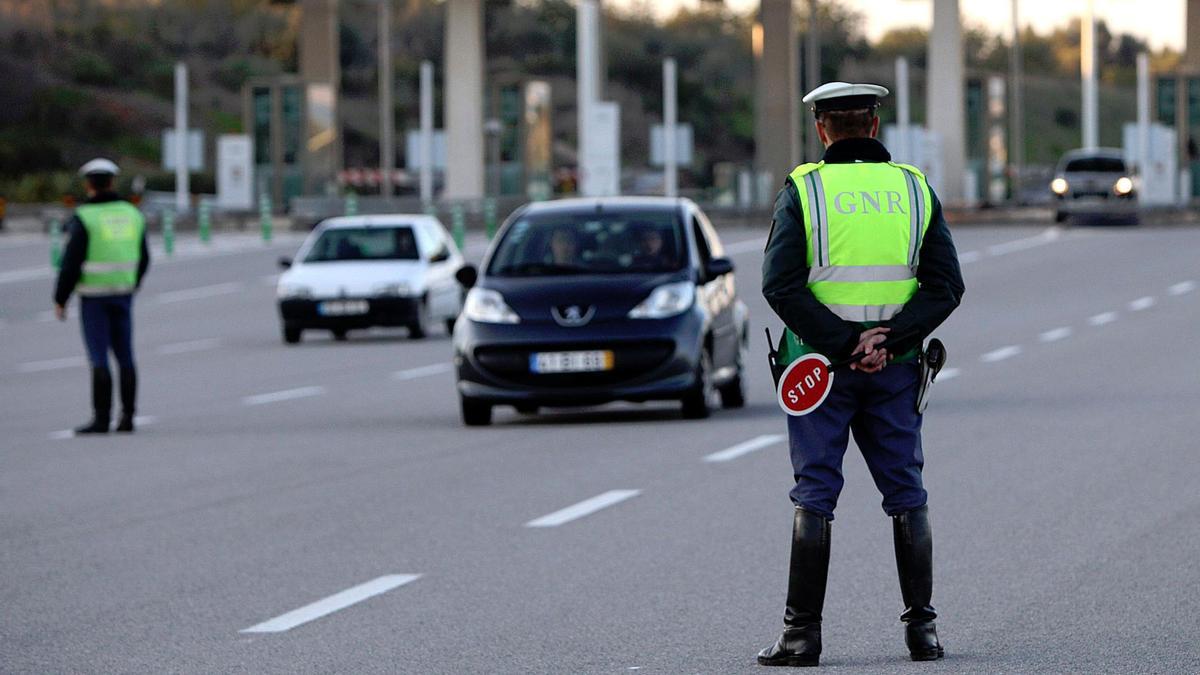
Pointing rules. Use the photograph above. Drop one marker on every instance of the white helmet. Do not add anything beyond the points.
(99, 165)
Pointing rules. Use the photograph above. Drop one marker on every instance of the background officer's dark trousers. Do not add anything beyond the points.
(107, 323)
(880, 410)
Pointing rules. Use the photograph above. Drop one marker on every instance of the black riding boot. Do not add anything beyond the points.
(800, 644)
(914, 561)
(128, 399)
(101, 403)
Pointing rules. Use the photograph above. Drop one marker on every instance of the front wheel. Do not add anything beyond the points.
(475, 413)
(700, 399)
(291, 335)
(419, 328)
(339, 334)
(733, 393)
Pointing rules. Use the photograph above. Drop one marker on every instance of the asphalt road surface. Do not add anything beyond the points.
(320, 508)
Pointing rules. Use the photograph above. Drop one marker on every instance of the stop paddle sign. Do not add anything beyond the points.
(805, 384)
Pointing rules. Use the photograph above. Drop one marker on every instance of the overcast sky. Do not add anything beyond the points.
(1161, 22)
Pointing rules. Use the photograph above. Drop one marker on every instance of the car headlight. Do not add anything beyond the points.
(288, 290)
(487, 306)
(392, 289)
(666, 300)
(1123, 186)
(1059, 186)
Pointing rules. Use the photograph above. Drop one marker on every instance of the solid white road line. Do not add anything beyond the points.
(1000, 354)
(1103, 318)
(948, 374)
(1048, 236)
(331, 604)
(745, 448)
(1142, 303)
(1182, 287)
(583, 508)
(189, 346)
(745, 246)
(285, 395)
(198, 293)
(1055, 334)
(52, 364)
(423, 371)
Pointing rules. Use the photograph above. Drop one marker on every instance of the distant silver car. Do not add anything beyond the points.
(1093, 182)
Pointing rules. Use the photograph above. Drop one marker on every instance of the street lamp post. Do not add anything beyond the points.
(387, 145)
(1087, 63)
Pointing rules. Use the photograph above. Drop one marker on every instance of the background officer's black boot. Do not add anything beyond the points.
(128, 399)
(800, 644)
(914, 561)
(101, 403)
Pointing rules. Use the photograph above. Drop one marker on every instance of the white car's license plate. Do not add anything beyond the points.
(570, 362)
(343, 307)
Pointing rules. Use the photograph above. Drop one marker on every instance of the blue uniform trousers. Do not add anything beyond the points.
(107, 322)
(880, 409)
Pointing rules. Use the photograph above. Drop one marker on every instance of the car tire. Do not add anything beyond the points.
(291, 335)
(419, 328)
(697, 403)
(1060, 217)
(733, 393)
(450, 325)
(339, 334)
(475, 413)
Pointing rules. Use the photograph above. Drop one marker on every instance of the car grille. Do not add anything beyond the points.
(630, 361)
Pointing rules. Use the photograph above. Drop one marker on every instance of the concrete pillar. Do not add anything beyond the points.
(1191, 58)
(945, 99)
(777, 95)
(464, 99)
(1087, 68)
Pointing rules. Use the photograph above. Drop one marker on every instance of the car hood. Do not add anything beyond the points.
(355, 278)
(612, 295)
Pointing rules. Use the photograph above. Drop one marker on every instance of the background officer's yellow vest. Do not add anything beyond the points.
(115, 232)
(864, 224)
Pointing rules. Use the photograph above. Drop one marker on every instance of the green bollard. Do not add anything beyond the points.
(351, 207)
(489, 216)
(459, 225)
(168, 232)
(56, 237)
(204, 222)
(264, 217)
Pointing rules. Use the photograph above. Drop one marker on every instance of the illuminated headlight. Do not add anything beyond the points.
(666, 300)
(1059, 186)
(1123, 186)
(487, 306)
(285, 290)
(394, 290)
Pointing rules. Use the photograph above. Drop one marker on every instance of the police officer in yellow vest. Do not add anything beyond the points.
(104, 261)
(859, 253)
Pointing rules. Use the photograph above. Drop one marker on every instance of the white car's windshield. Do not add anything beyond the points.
(591, 243)
(364, 243)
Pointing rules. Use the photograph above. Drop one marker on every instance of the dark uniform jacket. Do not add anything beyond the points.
(71, 268)
(785, 272)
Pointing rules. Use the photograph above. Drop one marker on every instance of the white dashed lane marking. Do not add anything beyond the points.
(198, 293)
(1055, 334)
(1142, 303)
(744, 448)
(1182, 288)
(333, 603)
(423, 371)
(285, 395)
(1048, 236)
(968, 257)
(1103, 318)
(201, 345)
(1000, 354)
(583, 508)
(52, 364)
(948, 374)
(138, 422)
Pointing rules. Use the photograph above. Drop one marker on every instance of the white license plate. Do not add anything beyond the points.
(343, 307)
(570, 362)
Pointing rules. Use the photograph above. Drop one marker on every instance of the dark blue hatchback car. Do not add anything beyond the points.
(587, 301)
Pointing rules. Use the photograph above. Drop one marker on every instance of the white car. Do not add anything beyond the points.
(361, 271)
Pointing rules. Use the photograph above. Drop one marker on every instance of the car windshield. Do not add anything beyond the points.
(1096, 165)
(591, 243)
(364, 243)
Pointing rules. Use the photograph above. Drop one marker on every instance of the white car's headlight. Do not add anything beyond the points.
(1059, 186)
(291, 290)
(392, 289)
(487, 306)
(666, 300)
(1123, 186)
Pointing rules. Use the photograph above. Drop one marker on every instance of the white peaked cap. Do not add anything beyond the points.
(99, 165)
(845, 96)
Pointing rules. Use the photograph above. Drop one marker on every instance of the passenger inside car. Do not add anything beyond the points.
(564, 247)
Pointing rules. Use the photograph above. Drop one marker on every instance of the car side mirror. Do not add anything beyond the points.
(467, 275)
(442, 255)
(285, 262)
(718, 267)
